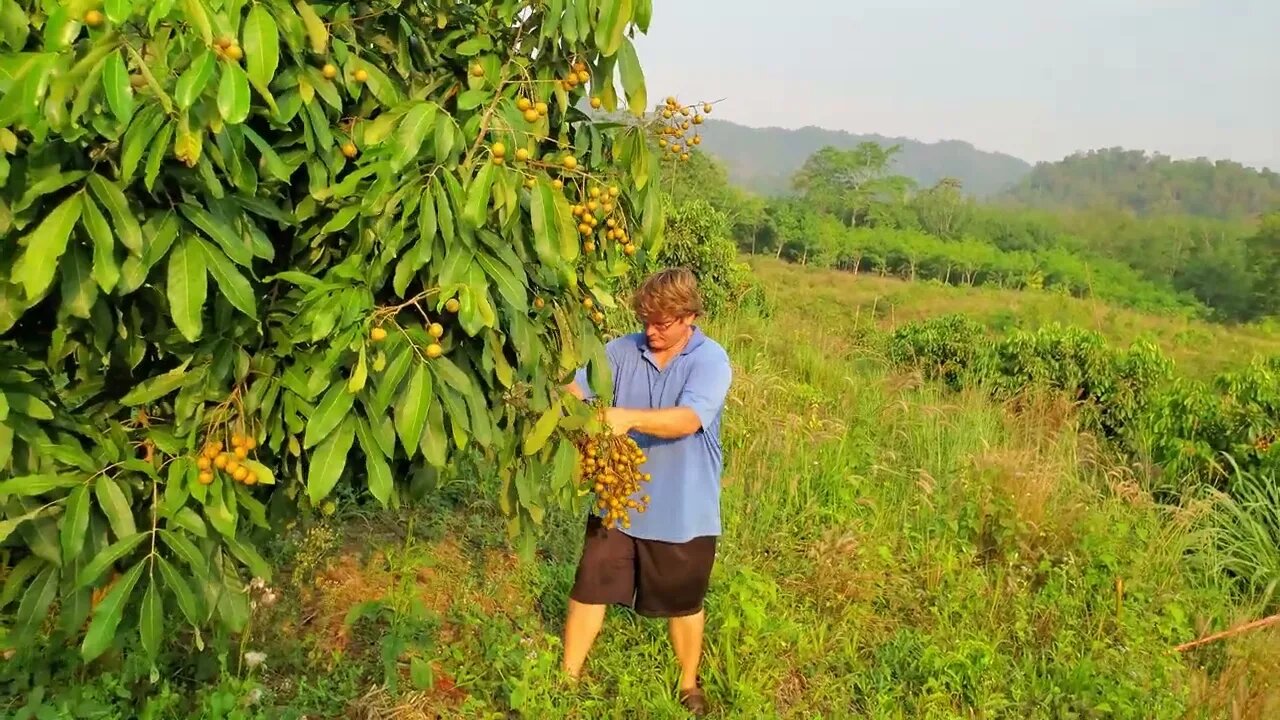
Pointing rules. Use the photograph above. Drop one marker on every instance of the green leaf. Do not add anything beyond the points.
(154, 388)
(230, 282)
(329, 460)
(270, 159)
(32, 407)
(261, 47)
(233, 94)
(445, 132)
(541, 431)
(115, 81)
(75, 523)
(614, 16)
(79, 291)
(546, 227)
(333, 409)
(189, 519)
(434, 441)
(45, 245)
(35, 603)
(115, 505)
(106, 558)
(4, 409)
(632, 78)
(379, 476)
(199, 17)
(156, 154)
(250, 557)
(106, 616)
(105, 269)
(412, 132)
(28, 485)
(411, 409)
(187, 288)
(186, 551)
(472, 99)
(194, 80)
(360, 375)
(218, 231)
(118, 10)
(126, 225)
(137, 138)
(187, 602)
(317, 31)
(151, 618)
(389, 382)
(511, 288)
(478, 195)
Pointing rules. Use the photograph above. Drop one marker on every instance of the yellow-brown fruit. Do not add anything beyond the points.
(477, 70)
(529, 183)
(237, 440)
(541, 107)
(250, 443)
(597, 316)
(629, 249)
(594, 192)
(378, 334)
(706, 108)
(662, 142)
(223, 42)
(578, 210)
(592, 205)
(666, 114)
(220, 462)
(557, 184)
(531, 115)
(522, 155)
(685, 157)
(614, 191)
(588, 303)
(596, 103)
(539, 303)
(523, 104)
(499, 160)
(579, 66)
(697, 119)
(204, 463)
(93, 18)
(588, 247)
(451, 305)
(499, 150)
(242, 452)
(607, 207)
(434, 351)
(251, 478)
(697, 140)
(240, 474)
(232, 465)
(329, 71)
(349, 149)
(235, 53)
(435, 330)
(584, 228)
(205, 477)
(570, 162)
(583, 76)
(671, 100)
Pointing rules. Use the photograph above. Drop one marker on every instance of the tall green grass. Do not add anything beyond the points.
(892, 549)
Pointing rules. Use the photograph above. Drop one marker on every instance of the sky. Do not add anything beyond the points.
(1038, 79)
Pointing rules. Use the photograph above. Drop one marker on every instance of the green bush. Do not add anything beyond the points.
(697, 237)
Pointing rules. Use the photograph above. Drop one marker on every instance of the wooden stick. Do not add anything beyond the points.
(1227, 633)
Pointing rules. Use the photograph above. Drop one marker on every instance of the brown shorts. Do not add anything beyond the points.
(656, 579)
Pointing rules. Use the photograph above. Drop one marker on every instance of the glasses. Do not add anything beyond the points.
(661, 326)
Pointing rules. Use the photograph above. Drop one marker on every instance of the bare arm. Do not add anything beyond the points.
(665, 423)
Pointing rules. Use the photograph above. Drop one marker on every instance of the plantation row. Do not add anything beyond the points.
(1195, 432)
(915, 255)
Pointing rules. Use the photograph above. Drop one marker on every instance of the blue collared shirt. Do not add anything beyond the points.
(684, 494)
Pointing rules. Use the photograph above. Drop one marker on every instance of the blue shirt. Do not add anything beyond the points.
(684, 494)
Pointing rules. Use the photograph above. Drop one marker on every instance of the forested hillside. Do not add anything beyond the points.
(1149, 184)
(763, 160)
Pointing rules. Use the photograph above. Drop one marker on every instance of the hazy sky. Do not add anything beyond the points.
(1034, 78)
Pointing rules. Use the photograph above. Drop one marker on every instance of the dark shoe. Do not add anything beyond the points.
(695, 701)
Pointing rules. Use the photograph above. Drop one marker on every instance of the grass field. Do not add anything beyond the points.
(1198, 348)
(890, 551)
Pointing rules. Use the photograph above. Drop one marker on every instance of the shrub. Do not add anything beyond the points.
(697, 237)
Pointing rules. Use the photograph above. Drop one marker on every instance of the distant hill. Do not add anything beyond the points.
(763, 159)
(1148, 184)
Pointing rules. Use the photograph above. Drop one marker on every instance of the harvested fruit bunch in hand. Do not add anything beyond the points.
(611, 467)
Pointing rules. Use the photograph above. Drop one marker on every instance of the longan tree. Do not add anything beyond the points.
(260, 254)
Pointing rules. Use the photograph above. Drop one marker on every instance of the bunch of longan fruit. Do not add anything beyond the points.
(611, 468)
(677, 121)
(212, 459)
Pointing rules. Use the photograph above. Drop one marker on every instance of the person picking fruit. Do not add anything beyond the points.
(670, 381)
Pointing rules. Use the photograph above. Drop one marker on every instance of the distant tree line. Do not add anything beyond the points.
(1210, 253)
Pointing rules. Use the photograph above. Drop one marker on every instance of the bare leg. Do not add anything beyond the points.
(580, 629)
(686, 639)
